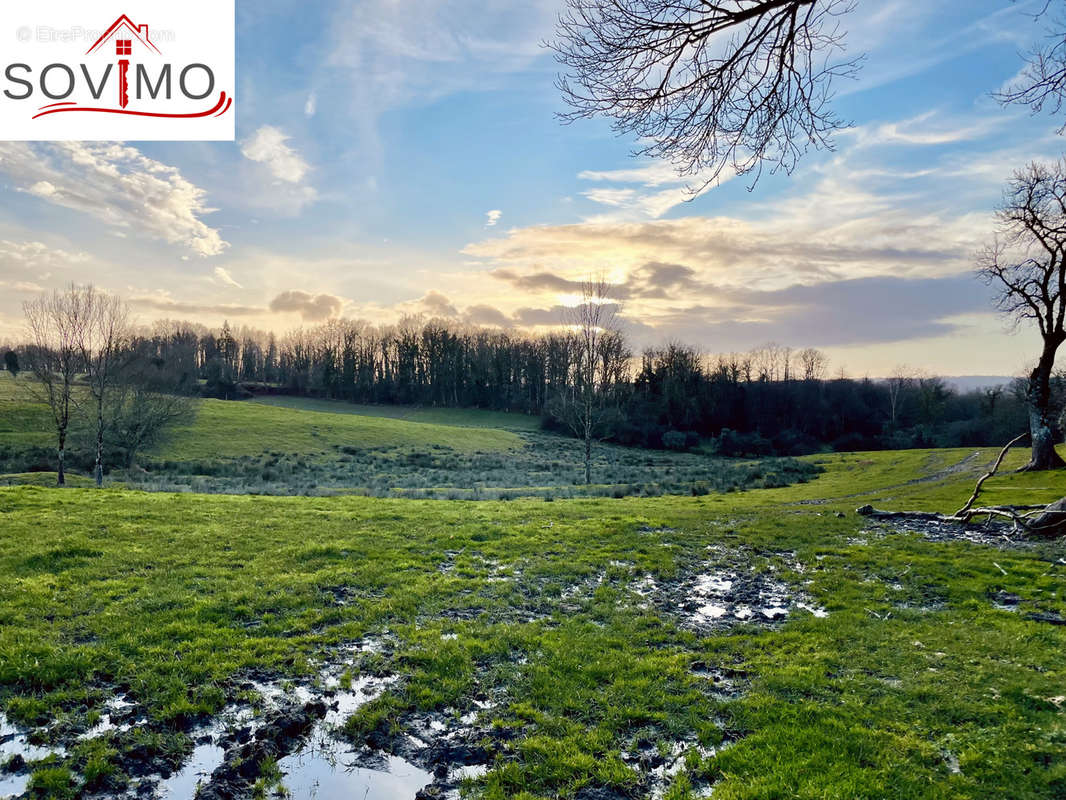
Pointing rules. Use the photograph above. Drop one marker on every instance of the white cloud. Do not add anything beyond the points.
(492, 217)
(650, 200)
(653, 173)
(117, 185)
(36, 257)
(311, 307)
(224, 277)
(268, 146)
(311, 106)
(927, 130)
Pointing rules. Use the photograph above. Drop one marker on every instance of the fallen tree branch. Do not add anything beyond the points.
(995, 468)
(1042, 520)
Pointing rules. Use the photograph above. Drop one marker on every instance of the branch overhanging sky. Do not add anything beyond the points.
(404, 158)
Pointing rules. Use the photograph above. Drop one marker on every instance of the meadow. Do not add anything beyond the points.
(284, 446)
(755, 643)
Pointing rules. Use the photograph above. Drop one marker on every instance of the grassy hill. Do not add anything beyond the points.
(230, 430)
(459, 417)
(565, 630)
(296, 446)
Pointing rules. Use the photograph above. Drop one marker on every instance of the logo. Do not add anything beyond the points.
(169, 75)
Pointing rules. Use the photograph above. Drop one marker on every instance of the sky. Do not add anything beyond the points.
(404, 157)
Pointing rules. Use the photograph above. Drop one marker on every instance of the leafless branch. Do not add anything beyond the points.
(709, 85)
(1041, 85)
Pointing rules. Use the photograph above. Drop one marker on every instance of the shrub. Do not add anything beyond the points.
(675, 440)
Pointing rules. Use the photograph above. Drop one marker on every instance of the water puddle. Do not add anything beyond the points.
(721, 598)
(197, 770)
(15, 745)
(298, 721)
(118, 717)
(319, 772)
(13, 785)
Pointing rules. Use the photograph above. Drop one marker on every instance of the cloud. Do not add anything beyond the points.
(538, 281)
(864, 311)
(903, 38)
(631, 202)
(487, 315)
(492, 217)
(161, 301)
(652, 173)
(117, 185)
(927, 130)
(268, 146)
(436, 304)
(224, 277)
(427, 49)
(37, 257)
(311, 106)
(25, 287)
(311, 307)
(737, 253)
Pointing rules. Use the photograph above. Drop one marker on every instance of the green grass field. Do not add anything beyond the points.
(230, 430)
(459, 417)
(924, 678)
(295, 446)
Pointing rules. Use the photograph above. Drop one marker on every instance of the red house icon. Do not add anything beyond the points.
(124, 27)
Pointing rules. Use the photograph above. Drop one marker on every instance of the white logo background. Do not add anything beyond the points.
(185, 32)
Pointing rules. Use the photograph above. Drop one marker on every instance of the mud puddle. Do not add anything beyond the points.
(321, 770)
(16, 753)
(717, 597)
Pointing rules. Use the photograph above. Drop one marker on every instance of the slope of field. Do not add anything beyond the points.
(460, 417)
(575, 647)
(230, 430)
(294, 446)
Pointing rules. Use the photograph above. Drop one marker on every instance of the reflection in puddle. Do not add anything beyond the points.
(324, 769)
(15, 743)
(13, 785)
(319, 772)
(197, 770)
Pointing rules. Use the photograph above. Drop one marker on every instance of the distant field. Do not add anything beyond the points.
(295, 446)
(24, 420)
(232, 429)
(322, 447)
(589, 648)
(460, 417)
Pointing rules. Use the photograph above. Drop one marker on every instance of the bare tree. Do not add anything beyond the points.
(901, 379)
(56, 324)
(599, 366)
(103, 348)
(768, 361)
(140, 414)
(1027, 264)
(814, 363)
(708, 84)
(1041, 85)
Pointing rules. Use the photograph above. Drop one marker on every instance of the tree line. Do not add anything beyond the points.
(771, 400)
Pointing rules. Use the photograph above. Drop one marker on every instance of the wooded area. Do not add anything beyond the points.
(771, 400)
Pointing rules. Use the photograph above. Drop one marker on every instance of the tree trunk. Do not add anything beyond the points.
(588, 459)
(1041, 424)
(61, 477)
(1053, 521)
(98, 469)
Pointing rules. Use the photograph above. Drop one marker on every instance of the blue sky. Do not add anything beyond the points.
(376, 136)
